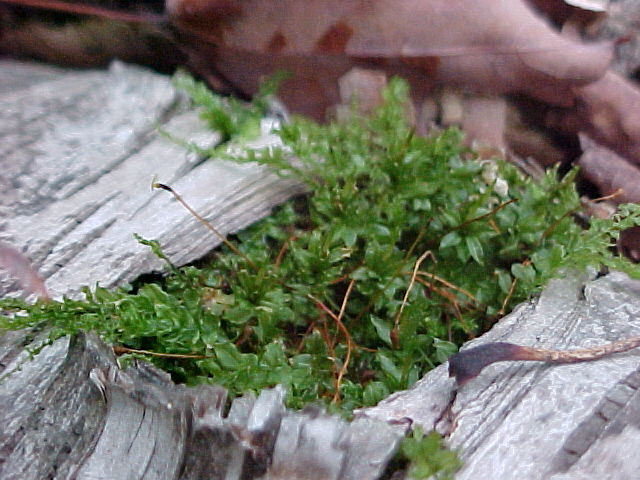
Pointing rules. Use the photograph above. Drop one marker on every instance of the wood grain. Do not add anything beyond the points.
(530, 420)
(78, 154)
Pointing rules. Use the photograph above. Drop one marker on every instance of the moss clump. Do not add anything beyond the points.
(404, 248)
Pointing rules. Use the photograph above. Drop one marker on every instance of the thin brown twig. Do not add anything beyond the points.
(324, 331)
(364, 349)
(345, 332)
(443, 293)
(309, 329)
(341, 278)
(484, 215)
(346, 275)
(329, 342)
(283, 250)
(207, 224)
(456, 310)
(119, 350)
(405, 299)
(555, 224)
(347, 359)
(448, 284)
(414, 244)
(512, 289)
(377, 294)
(333, 315)
(494, 225)
(611, 196)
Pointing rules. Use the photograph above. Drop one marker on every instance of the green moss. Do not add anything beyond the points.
(428, 457)
(380, 199)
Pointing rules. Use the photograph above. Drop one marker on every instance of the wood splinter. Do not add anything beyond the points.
(468, 364)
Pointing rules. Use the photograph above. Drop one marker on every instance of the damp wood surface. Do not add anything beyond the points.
(79, 152)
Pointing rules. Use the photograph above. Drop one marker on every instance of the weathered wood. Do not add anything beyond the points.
(516, 420)
(78, 153)
(529, 420)
(70, 412)
(50, 414)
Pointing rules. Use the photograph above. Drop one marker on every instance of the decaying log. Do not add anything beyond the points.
(78, 153)
(70, 412)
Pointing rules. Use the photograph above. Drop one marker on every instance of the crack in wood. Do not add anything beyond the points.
(74, 249)
(446, 422)
(617, 409)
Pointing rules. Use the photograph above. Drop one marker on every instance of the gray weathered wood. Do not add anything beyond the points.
(71, 412)
(516, 420)
(78, 153)
(533, 421)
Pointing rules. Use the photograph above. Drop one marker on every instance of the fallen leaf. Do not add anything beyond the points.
(19, 267)
(610, 172)
(479, 46)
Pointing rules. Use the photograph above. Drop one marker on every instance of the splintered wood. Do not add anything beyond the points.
(79, 152)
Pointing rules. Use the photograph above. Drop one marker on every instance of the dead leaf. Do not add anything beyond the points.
(477, 46)
(19, 267)
(609, 172)
(608, 110)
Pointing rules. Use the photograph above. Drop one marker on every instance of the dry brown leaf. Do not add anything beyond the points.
(608, 111)
(609, 172)
(489, 46)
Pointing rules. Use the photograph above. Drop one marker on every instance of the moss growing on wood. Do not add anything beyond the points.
(404, 248)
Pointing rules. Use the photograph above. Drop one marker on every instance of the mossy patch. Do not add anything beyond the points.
(404, 248)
